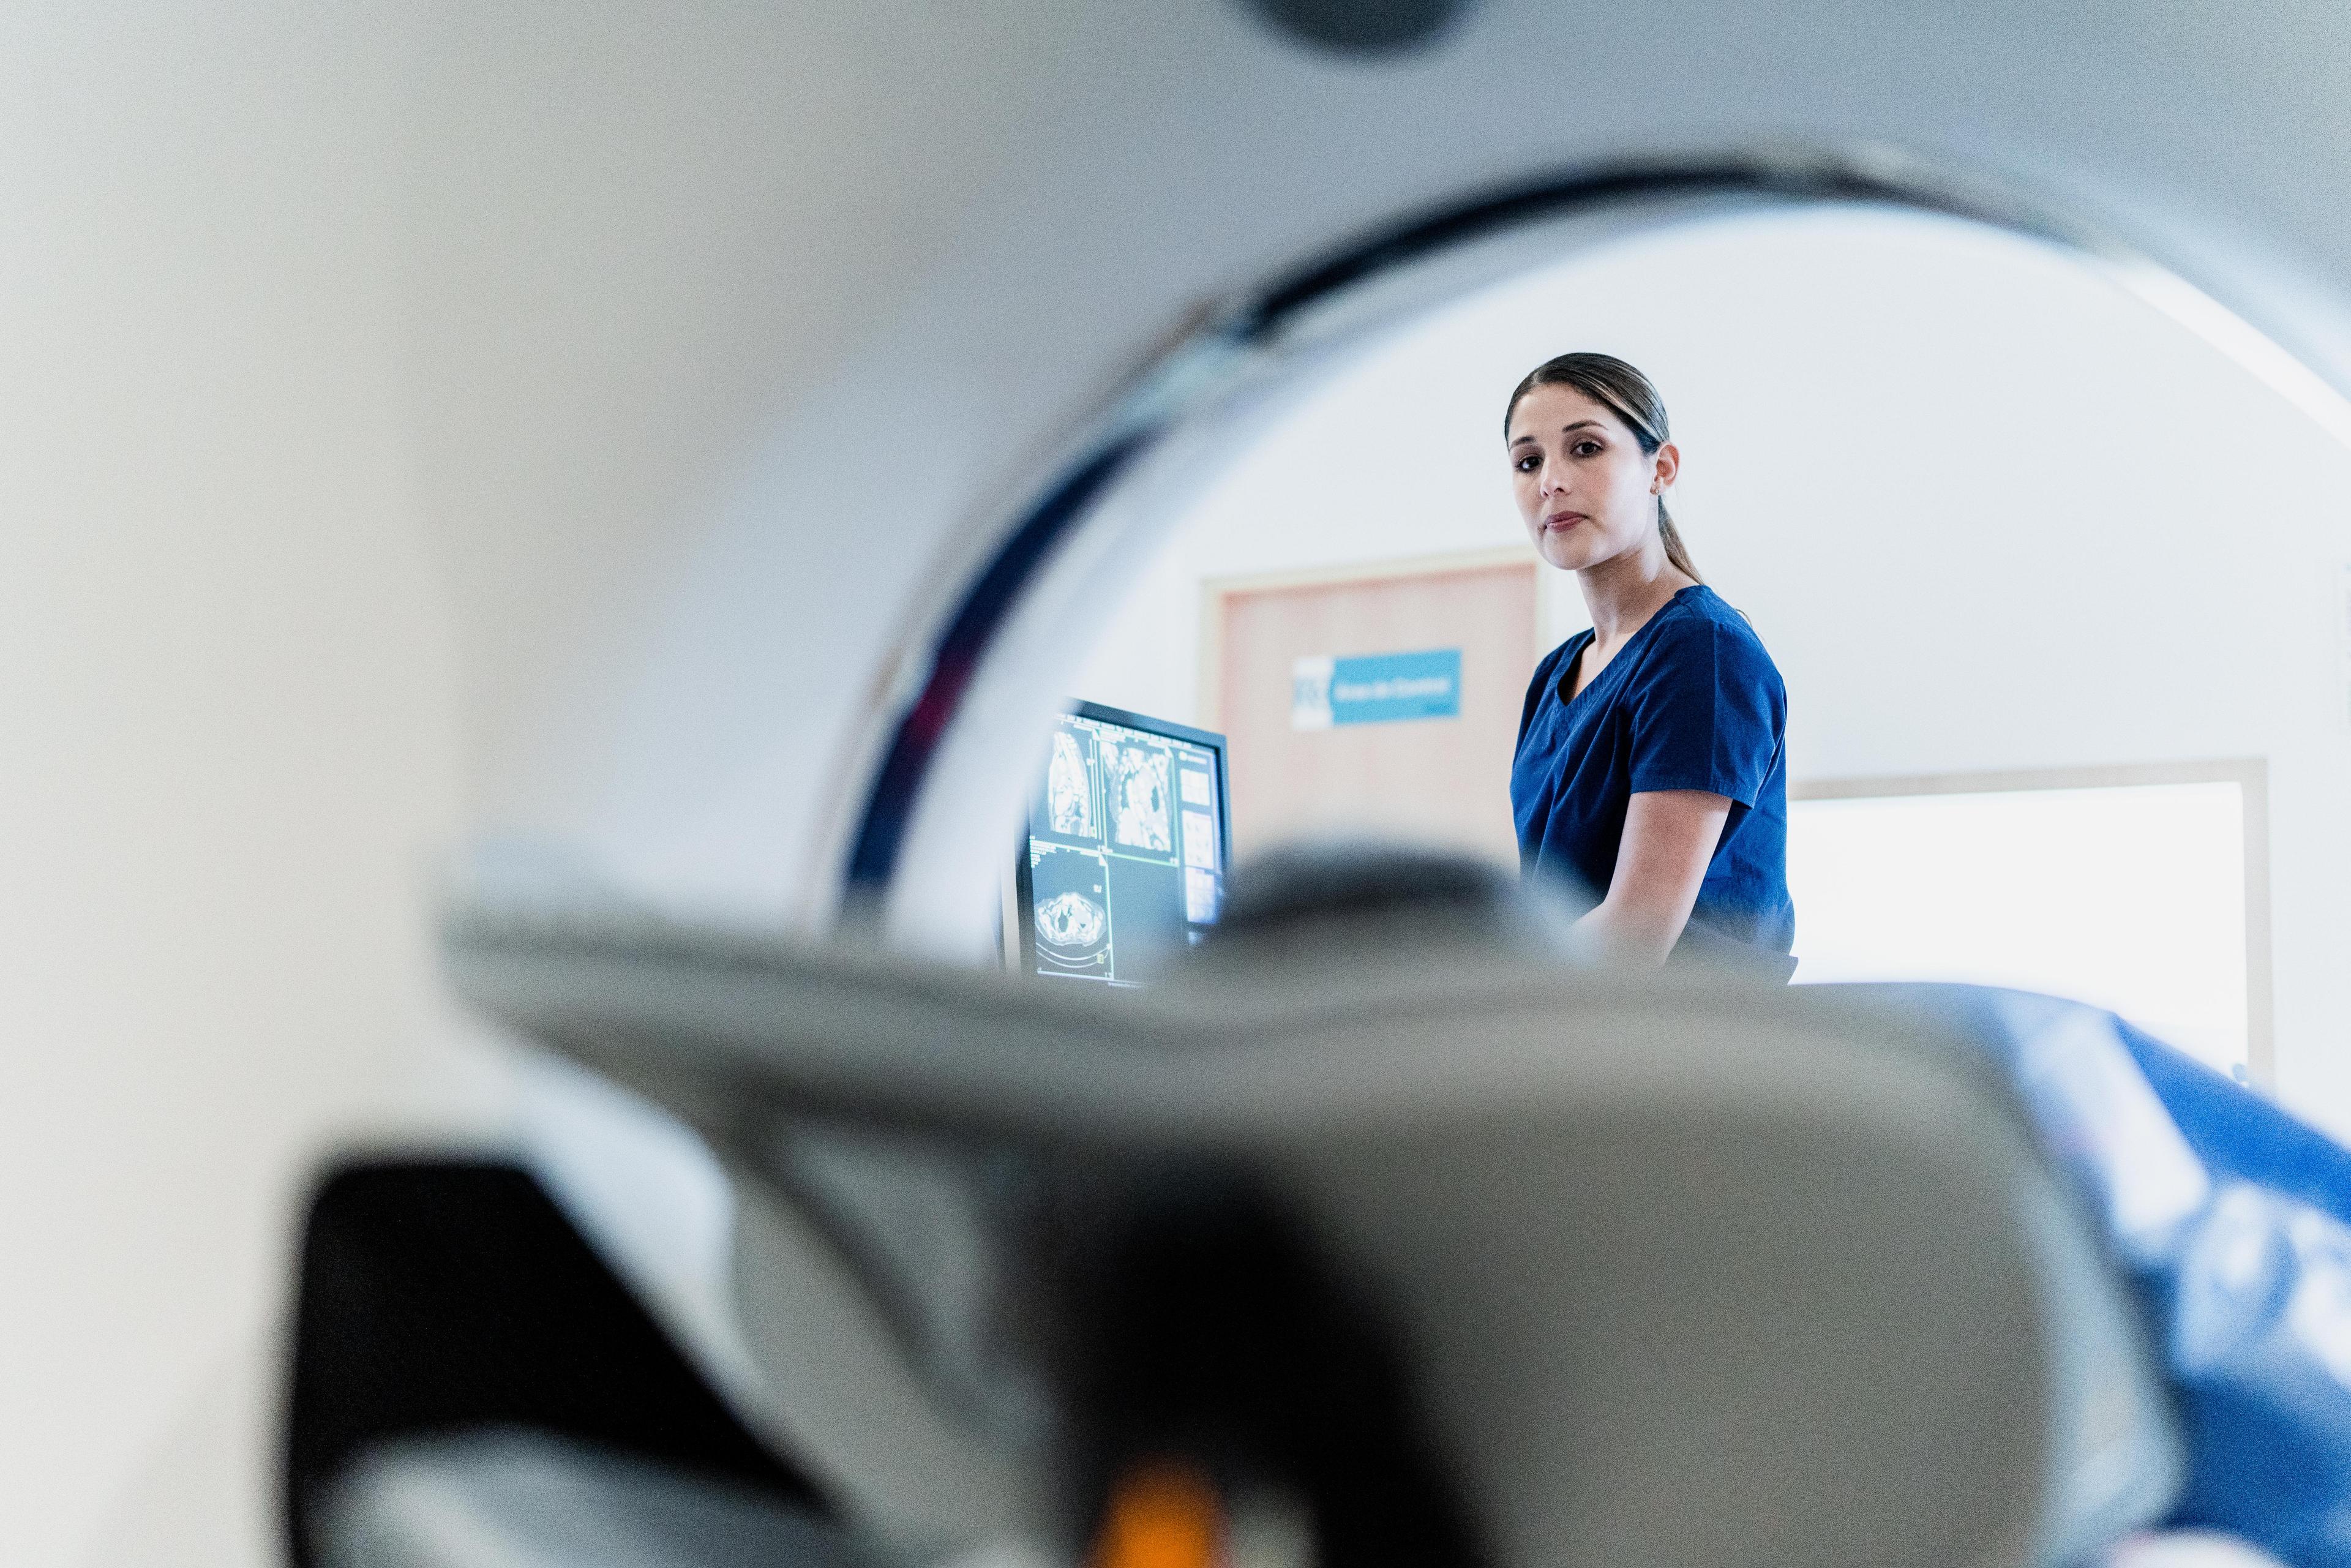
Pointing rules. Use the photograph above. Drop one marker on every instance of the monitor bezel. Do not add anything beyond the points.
(1019, 920)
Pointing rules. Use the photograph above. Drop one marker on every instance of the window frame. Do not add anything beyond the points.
(2250, 774)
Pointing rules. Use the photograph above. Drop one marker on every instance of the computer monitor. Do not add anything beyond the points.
(1124, 861)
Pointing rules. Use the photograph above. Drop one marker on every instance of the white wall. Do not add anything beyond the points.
(228, 715)
(1988, 511)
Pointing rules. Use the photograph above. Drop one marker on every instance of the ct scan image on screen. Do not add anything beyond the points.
(1127, 848)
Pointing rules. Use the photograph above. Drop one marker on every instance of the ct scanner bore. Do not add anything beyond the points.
(957, 743)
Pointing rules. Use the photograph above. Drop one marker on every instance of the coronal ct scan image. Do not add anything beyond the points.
(1070, 788)
(1072, 905)
(1136, 781)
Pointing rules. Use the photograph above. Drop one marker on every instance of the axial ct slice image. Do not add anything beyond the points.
(1071, 922)
(1072, 905)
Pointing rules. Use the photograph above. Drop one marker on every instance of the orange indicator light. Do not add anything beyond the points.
(1161, 1516)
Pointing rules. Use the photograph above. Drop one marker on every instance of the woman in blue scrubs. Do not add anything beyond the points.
(1651, 765)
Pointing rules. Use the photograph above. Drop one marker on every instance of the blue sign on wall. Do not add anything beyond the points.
(1375, 688)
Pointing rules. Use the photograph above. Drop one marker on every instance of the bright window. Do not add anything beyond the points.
(2132, 897)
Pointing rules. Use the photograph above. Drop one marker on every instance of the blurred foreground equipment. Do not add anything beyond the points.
(1383, 1236)
(1410, 1244)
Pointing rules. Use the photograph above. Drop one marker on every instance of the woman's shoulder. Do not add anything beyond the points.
(1700, 619)
(1700, 610)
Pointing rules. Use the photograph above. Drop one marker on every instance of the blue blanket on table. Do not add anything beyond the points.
(2234, 1220)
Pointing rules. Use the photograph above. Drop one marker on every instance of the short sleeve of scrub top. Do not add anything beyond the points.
(1692, 702)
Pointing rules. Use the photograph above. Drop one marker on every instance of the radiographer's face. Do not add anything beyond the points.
(1585, 487)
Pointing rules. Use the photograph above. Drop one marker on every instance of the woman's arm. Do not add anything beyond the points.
(1670, 837)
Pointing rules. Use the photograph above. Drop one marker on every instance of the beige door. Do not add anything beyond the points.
(1443, 779)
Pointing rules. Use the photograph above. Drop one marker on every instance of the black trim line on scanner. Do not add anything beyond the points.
(956, 657)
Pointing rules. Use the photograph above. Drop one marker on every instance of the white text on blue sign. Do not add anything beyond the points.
(1375, 688)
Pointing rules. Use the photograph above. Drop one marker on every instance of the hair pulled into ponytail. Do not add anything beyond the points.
(1676, 551)
(1628, 394)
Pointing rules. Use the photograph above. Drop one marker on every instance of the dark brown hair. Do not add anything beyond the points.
(1629, 395)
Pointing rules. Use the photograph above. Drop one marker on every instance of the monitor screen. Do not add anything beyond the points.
(1125, 859)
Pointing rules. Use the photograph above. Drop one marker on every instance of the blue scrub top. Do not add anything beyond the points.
(1692, 702)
